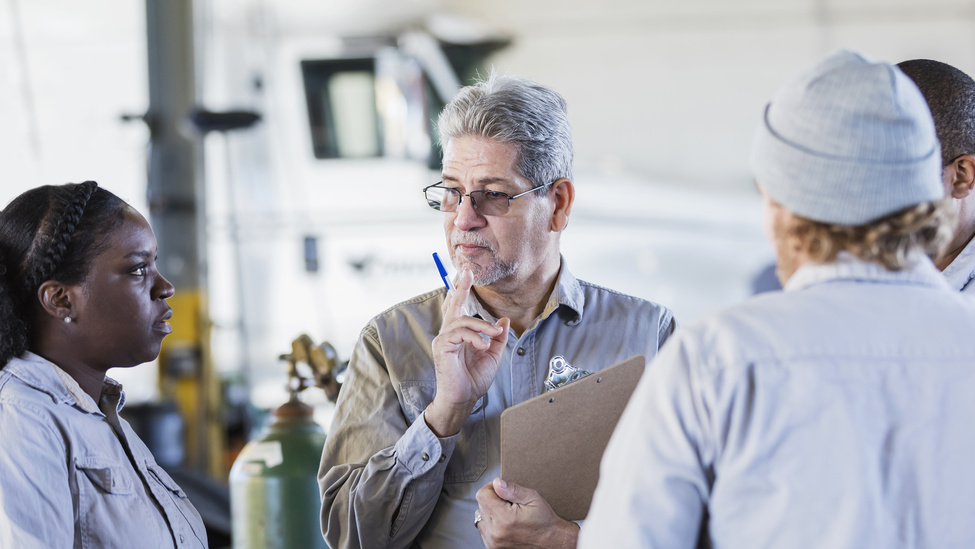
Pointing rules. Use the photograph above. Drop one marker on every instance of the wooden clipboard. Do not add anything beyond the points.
(553, 443)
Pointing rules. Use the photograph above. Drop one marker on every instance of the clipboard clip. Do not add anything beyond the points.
(560, 373)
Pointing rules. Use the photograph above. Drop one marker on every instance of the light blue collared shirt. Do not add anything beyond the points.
(835, 414)
(74, 474)
(961, 271)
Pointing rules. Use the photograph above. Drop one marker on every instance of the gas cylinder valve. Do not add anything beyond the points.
(324, 364)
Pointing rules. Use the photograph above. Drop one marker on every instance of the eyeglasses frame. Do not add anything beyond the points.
(474, 202)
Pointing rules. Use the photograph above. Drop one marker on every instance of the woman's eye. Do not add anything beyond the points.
(139, 271)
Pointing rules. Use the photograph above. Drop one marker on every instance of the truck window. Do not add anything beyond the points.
(341, 99)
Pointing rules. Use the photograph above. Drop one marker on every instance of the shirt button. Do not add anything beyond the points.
(181, 538)
(521, 351)
(425, 456)
(442, 458)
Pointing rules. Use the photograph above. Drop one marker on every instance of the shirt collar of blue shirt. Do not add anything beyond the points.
(962, 268)
(45, 376)
(849, 268)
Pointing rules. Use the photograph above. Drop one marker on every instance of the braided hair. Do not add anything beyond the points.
(48, 233)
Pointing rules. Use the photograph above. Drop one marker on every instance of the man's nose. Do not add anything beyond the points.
(466, 217)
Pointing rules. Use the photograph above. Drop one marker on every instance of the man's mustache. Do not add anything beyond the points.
(471, 239)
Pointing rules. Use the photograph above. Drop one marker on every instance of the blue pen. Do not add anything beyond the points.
(443, 272)
(469, 308)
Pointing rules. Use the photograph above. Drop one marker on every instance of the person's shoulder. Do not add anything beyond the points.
(421, 309)
(745, 331)
(596, 294)
(21, 402)
(757, 314)
(421, 304)
(777, 325)
(14, 386)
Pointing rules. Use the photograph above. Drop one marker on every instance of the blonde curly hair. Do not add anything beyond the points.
(889, 240)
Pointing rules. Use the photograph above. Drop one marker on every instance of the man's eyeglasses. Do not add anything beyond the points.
(446, 199)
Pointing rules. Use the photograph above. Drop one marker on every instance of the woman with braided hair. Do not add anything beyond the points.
(79, 294)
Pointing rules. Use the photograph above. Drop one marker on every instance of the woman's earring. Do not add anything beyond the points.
(67, 320)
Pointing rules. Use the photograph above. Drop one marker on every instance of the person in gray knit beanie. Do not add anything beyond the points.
(848, 161)
(835, 413)
(848, 141)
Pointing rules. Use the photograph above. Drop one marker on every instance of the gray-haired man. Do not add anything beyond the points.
(415, 442)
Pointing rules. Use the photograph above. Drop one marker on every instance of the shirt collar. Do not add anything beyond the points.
(962, 268)
(570, 294)
(922, 272)
(83, 399)
(567, 292)
(45, 376)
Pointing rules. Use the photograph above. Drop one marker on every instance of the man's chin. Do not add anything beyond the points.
(492, 274)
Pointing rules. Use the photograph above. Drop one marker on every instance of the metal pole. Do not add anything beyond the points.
(177, 212)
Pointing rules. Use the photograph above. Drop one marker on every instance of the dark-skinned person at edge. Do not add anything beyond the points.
(79, 294)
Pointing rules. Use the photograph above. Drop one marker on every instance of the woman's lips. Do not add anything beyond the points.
(161, 325)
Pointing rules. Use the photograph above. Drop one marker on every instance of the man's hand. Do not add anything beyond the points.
(465, 362)
(513, 516)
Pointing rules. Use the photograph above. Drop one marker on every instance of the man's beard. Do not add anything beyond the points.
(483, 274)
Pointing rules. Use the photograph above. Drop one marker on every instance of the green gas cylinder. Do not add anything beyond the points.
(274, 497)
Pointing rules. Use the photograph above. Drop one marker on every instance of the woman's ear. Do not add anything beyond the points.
(56, 299)
(565, 194)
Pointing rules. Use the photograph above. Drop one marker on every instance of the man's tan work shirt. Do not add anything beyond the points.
(387, 480)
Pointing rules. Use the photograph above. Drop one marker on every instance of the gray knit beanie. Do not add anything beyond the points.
(847, 142)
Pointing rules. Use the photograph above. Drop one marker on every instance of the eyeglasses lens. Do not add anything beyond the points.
(441, 199)
(490, 203)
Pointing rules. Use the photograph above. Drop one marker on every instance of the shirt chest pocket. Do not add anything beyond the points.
(469, 459)
(189, 513)
(108, 502)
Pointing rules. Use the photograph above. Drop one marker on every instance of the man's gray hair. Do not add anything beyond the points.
(511, 109)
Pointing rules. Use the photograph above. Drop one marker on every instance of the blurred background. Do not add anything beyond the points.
(278, 147)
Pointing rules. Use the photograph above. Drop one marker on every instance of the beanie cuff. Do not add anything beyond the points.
(808, 183)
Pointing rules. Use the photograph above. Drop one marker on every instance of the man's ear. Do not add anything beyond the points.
(963, 176)
(56, 299)
(565, 193)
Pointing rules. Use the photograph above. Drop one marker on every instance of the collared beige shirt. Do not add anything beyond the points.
(387, 480)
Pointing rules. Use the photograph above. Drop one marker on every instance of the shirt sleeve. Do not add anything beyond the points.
(666, 328)
(655, 476)
(381, 475)
(35, 494)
